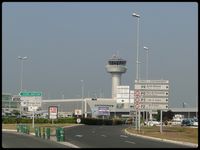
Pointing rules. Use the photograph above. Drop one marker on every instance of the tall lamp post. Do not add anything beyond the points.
(137, 61)
(21, 88)
(147, 59)
(82, 89)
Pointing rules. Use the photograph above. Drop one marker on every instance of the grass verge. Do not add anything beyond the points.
(177, 133)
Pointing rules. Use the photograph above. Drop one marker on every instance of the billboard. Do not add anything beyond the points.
(53, 112)
(103, 111)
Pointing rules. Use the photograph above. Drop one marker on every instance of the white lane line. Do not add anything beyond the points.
(130, 142)
(103, 135)
(123, 136)
(79, 135)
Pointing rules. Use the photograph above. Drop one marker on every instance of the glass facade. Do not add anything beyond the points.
(7, 101)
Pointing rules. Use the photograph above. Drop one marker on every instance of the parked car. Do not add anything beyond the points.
(186, 122)
(195, 122)
(153, 123)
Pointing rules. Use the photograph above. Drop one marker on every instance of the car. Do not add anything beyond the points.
(153, 123)
(186, 122)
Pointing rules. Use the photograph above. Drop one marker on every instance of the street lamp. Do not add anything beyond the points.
(147, 51)
(138, 17)
(137, 61)
(21, 59)
(82, 89)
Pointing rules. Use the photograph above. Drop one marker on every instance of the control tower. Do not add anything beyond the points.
(116, 66)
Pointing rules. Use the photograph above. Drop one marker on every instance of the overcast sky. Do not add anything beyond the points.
(72, 41)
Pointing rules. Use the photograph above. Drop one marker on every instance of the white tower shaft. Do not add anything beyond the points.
(116, 81)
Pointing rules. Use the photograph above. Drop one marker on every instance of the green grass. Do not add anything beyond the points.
(177, 133)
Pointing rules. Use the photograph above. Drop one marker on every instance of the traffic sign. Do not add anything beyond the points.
(30, 93)
(153, 106)
(152, 81)
(154, 100)
(152, 86)
(155, 93)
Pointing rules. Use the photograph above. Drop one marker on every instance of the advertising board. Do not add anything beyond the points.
(53, 112)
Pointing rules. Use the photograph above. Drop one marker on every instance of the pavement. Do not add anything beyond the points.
(164, 140)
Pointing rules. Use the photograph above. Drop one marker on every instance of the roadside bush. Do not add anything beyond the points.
(8, 120)
(98, 121)
(65, 120)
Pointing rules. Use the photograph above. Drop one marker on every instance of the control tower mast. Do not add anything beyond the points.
(116, 66)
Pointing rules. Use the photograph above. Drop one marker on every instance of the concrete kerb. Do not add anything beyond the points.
(160, 139)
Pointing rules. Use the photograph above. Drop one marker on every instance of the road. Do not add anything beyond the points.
(19, 140)
(94, 136)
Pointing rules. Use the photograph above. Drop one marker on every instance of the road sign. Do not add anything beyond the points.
(155, 93)
(103, 110)
(30, 93)
(152, 81)
(77, 112)
(153, 106)
(152, 86)
(154, 100)
(53, 112)
(32, 108)
(78, 120)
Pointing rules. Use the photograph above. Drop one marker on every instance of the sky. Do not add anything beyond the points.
(66, 42)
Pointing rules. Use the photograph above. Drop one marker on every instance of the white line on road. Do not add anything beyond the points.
(79, 135)
(103, 135)
(123, 136)
(130, 142)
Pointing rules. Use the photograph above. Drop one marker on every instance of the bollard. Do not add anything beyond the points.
(36, 131)
(62, 136)
(39, 131)
(17, 127)
(25, 129)
(20, 129)
(43, 133)
(58, 133)
(28, 129)
(48, 133)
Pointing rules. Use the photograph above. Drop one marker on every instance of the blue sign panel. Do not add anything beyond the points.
(103, 111)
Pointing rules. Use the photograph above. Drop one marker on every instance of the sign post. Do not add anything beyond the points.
(32, 100)
(154, 95)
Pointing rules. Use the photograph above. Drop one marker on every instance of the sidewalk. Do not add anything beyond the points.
(164, 140)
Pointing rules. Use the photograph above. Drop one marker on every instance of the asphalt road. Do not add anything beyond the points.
(94, 136)
(19, 140)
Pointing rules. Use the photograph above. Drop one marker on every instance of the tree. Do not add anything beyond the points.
(168, 115)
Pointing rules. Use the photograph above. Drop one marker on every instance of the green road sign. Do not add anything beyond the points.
(30, 93)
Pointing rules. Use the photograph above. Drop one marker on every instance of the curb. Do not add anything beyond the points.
(164, 140)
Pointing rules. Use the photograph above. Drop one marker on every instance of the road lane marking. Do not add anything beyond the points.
(130, 142)
(79, 135)
(123, 136)
(103, 135)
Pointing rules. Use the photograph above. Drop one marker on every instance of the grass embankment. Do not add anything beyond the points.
(177, 133)
(46, 125)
